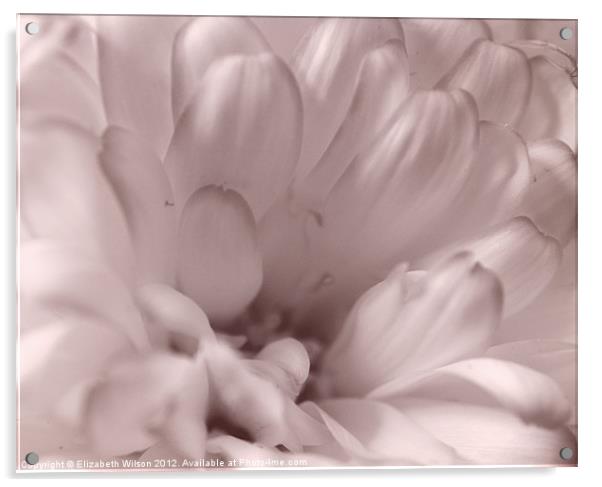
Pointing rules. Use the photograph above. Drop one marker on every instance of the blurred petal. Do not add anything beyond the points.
(202, 41)
(219, 265)
(130, 410)
(284, 33)
(326, 64)
(58, 78)
(522, 257)
(143, 191)
(290, 356)
(557, 360)
(242, 129)
(171, 310)
(552, 108)
(65, 196)
(135, 72)
(499, 78)
(60, 279)
(397, 330)
(551, 201)
(369, 430)
(529, 394)
(382, 85)
(488, 436)
(58, 356)
(255, 404)
(553, 313)
(435, 45)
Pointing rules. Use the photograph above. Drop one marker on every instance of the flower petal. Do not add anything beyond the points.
(557, 360)
(255, 404)
(435, 45)
(499, 78)
(171, 310)
(135, 84)
(523, 258)
(551, 201)
(552, 108)
(529, 394)
(326, 64)
(219, 265)
(129, 410)
(289, 355)
(369, 430)
(397, 330)
(141, 186)
(488, 436)
(242, 129)
(382, 85)
(60, 60)
(202, 41)
(66, 283)
(65, 196)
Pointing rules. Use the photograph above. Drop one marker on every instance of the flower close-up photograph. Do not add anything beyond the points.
(251, 242)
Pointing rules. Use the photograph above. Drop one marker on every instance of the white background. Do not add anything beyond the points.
(590, 241)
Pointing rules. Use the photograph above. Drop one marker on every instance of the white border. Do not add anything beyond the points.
(590, 241)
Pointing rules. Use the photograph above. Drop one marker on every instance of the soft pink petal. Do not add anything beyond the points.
(132, 408)
(164, 307)
(64, 195)
(529, 394)
(219, 265)
(58, 78)
(202, 41)
(552, 108)
(290, 356)
(499, 77)
(66, 283)
(326, 64)
(365, 430)
(489, 436)
(398, 329)
(523, 258)
(552, 314)
(284, 33)
(135, 55)
(141, 186)
(382, 85)
(242, 129)
(557, 360)
(551, 201)
(435, 45)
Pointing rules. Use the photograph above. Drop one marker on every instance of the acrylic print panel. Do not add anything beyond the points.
(296, 242)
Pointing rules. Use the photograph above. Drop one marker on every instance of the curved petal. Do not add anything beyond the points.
(242, 129)
(136, 84)
(435, 45)
(139, 401)
(66, 283)
(290, 356)
(170, 310)
(64, 195)
(326, 64)
(557, 360)
(551, 201)
(552, 108)
(58, 77)
(499, 78)
(488, 436)
(531, 395)
(553, 313)
(58, 356)
(141, 186)
(522, 257)
(283, 34)
(202, 41)
(369, 430)
(382, 85)
(219, 265)
(255, 404)
(397, 329)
